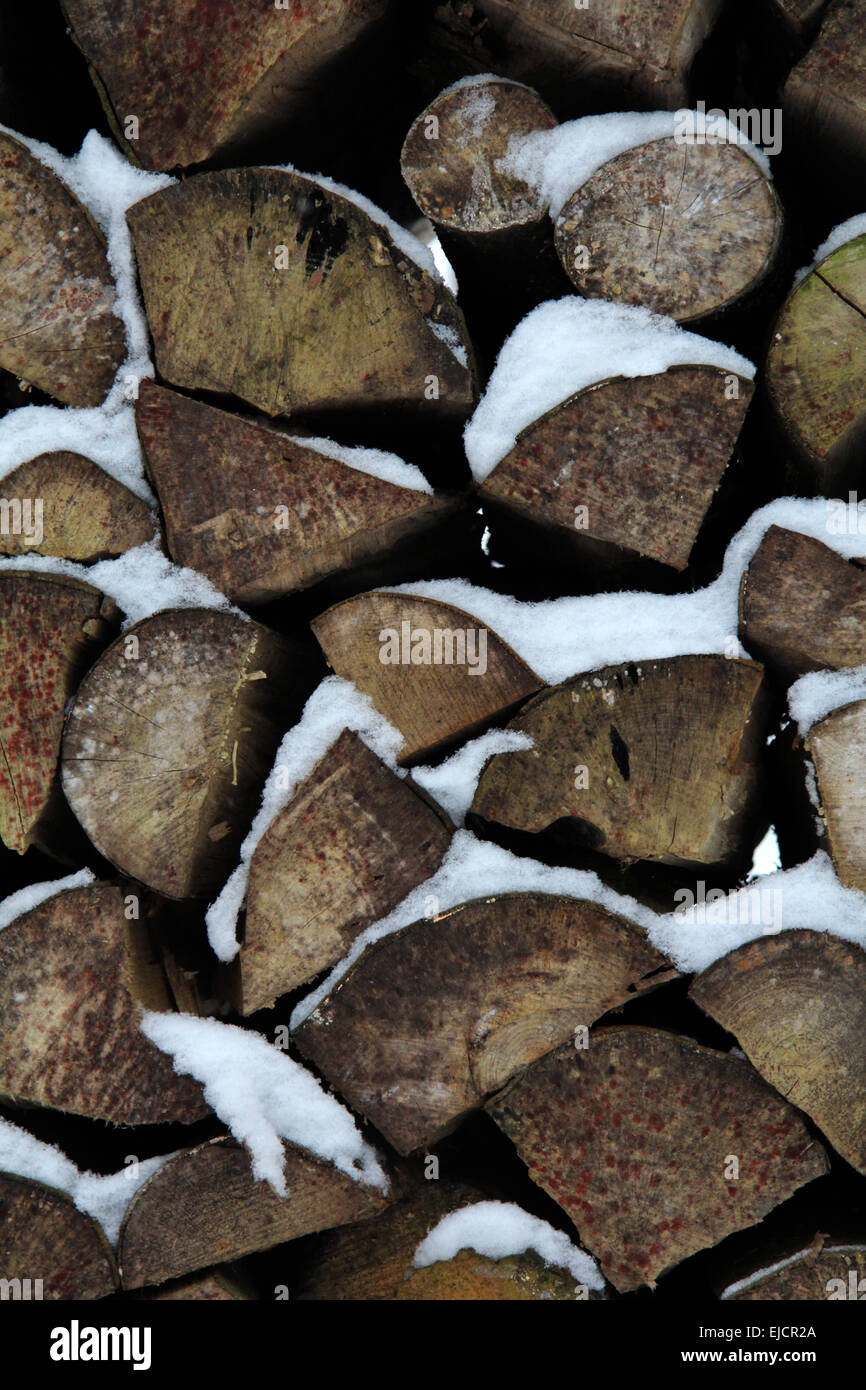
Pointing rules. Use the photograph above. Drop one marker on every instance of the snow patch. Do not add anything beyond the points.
(840, 236)
(818, 693)
(453, 782)
(499, 1229)
(36, 893)
(376, 462)
(263, 1096)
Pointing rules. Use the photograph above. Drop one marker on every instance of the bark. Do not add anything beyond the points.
(170, 739)
(687, 230)
(627, 468)
(816, 368)
(796, 1003)
(802, 606)
(51, 629)
(353, 841)
(43, 1236)
(835, 745)
(201, 78)
(318, 308)
(58, 329)
(434, 1018)
(388, 645)
(634, 1139)
(658, 762)
(204, 1207)
(262, 515)
(74, 973)
(86, 515)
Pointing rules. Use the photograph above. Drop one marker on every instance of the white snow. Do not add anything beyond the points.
(565, 345)
(379, 464)
(767, 858)
(563, 637)
(559, 161)
(499, 1229)
(451, 338)
(403, 239)
(762, 1274)
(263, 1096)
(334, 705)
(142, 581)
(107, 185)
(480, 79)
(840, 236)
(818, 693)
(105, 1198)
(36, 893)
(422, 228)
(452, 783)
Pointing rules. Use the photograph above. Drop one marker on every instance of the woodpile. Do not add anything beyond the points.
(433, 634)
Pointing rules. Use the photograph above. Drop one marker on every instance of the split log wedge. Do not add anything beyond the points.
(182, 81)
(796, 1003)
(78, 511)
(58, 328)
(434, 671)
(686, 230)
(259, 513)
(835, 745)
(51, 630)
(43, 1236)
(435, 1017)
(654, 761)
(802, 606)
(204, 1207)
(170, 739)
(73, 973)
(353, 841)
(627, 468)
(318, 308)
(824, 97)
(638, 1139)
(816, 368)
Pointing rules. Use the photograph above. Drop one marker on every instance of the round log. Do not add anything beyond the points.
(169, 741)
(435, 1017)
(687, 230)
(655, 1146)
(71, 508)
(45, 1238)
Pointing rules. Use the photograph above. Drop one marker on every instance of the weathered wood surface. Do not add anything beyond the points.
(634, 1138)
(824, 96)
(469, 1277)
(816, 368)
(317, 308)
(74, 974)
(651, 761)
(643, 52)
(825, 1270)
(198, 78)
(68, 506)
(435, 1017)
(58, 328)
(435, 672)
(687, 230)
(212, 1286)
(450, 158)
(835, 745)
(203, 1207)
(802, 605)
(44, 1236)
(796, 1003)
(261, 514)
(353, 841)
(51, 630)
(170, 739)
(627, 468)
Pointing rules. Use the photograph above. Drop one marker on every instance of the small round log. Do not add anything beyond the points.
(45, 1238)
(83, 513)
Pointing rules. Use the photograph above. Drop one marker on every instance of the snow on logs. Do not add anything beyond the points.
(169, 741)
(659, 1146)
(435, 1017)
(319, 306)
(654, 761)
(58, 328)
